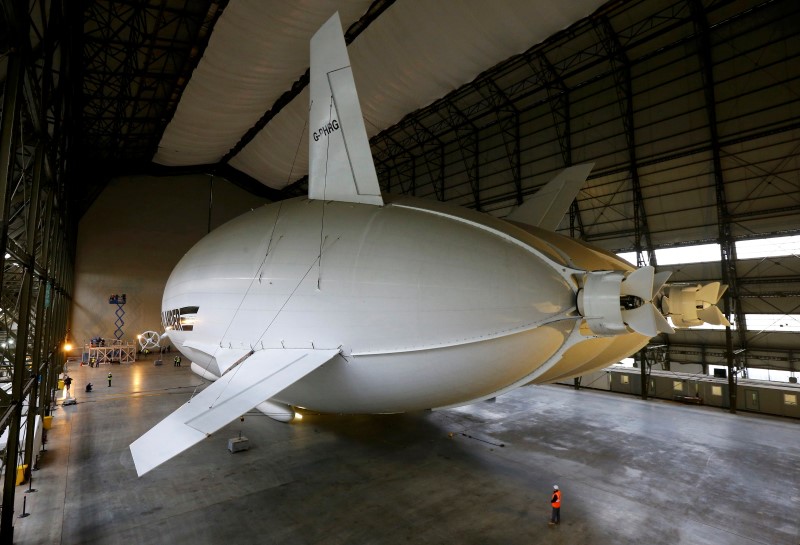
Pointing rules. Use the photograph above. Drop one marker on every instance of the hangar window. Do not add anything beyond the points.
(790, 399)
(630, 257)
(789, 323)
(782, 323)
(677, 385)
(703, 253)
(624, 379)
(716, 390)
(768, 247)
(699, 253)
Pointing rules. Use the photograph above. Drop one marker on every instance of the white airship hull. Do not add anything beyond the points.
(403, 303)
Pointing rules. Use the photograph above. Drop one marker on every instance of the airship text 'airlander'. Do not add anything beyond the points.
(356, 302)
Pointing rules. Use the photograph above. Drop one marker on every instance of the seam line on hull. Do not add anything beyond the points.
(558, 318)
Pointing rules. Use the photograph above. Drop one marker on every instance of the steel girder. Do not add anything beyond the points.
(33, 283)
(621, 70)
(732, 306)
(136, 59)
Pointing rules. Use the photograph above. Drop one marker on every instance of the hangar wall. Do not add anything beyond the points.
(132, 237)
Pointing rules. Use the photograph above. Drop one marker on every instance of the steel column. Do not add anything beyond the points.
(8, 137)
(727, 246)
(34, 215)
(621, 69)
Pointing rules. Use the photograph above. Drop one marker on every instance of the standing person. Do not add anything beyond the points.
(68, 383)
(555, 501)
(176, 362)
(109, 380)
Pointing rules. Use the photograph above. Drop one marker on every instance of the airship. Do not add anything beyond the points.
(354, 301)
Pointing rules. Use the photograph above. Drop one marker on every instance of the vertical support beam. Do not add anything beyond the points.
(475, 174)
(51, 316)
(560, 109)
(624, 86)
(467, 135)
(644, 374)
(575, 221)
(442, 196)
(508, 121)
(726, 242)
(507, 117)
(8, 136)
(703, 360)
(621, 69)
(37, 223)
(20, 370)
(34, 215)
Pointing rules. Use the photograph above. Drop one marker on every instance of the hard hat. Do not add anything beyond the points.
(555, 487)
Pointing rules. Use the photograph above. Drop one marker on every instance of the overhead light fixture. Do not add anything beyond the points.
(67, 342)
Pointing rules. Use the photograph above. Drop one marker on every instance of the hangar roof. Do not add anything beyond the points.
(404, 55)
(221, 85)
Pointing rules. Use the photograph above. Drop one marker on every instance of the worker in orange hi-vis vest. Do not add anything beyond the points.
(555, 501)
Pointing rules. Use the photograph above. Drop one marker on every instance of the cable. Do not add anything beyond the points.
(252, 280)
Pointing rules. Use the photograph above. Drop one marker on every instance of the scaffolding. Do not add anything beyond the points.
(116, 352)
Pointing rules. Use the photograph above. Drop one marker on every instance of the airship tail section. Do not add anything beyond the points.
(340, 160)
(548, 206)
(246, 385)
(617, 302)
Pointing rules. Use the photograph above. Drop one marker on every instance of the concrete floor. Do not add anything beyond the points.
(631, 472)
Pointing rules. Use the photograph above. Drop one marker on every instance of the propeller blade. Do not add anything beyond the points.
(641, 320)
(639, 283)
(708, 293)
(712, 315)
(661, 323)
(659, 281)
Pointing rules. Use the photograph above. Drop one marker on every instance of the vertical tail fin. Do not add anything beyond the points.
(340, 161)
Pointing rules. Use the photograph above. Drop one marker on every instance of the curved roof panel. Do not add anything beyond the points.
(414, 53)
(257, 50)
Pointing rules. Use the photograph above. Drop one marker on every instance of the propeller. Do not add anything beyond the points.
(694, 305)
(614, 303)
(644, 284)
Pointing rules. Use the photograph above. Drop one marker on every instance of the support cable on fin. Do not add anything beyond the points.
(296, 152)
(325, 186)
(244, 295)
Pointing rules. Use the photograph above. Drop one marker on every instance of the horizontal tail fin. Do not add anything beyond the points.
(256, 379)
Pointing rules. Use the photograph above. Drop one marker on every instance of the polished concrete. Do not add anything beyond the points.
(631, 472)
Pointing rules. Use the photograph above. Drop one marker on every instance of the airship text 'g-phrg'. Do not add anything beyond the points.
(351, 301)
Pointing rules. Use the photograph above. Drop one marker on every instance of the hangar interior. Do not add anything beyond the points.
(129, 130)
